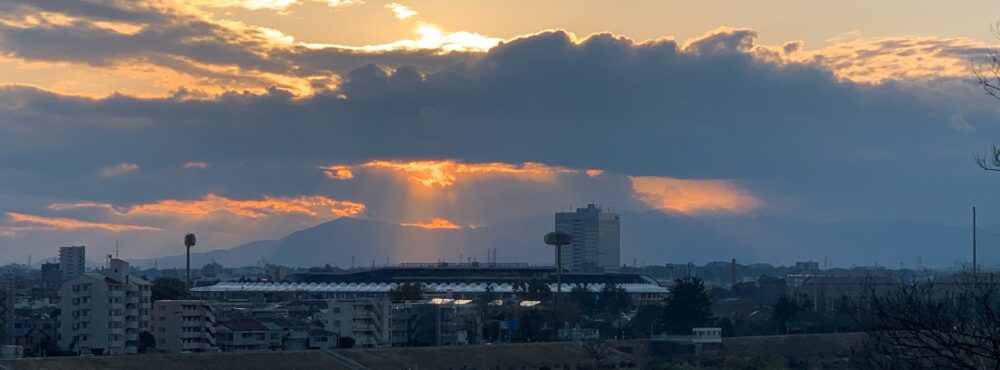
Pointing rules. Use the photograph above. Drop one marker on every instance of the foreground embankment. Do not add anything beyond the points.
(773, 352)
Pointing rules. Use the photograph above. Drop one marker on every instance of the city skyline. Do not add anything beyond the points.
(243, 121)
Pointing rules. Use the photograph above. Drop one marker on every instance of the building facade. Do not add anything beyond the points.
(183, 326)
(72, 261)
(596, 242)
(364, 320)
(6, 311)
(103, 312)
(435, 322)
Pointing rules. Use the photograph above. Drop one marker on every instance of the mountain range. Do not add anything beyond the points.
(647, 238)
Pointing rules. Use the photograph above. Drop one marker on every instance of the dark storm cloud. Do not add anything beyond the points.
(808, 144)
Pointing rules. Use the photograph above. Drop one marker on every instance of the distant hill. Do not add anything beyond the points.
(647, 238)
(342, 240)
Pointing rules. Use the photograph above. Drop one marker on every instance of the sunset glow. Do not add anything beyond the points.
(40, 223)
(445, 173)
(313, 206)
(435, 224)
(693, 197)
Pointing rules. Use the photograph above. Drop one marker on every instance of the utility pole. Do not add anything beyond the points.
(974, 277)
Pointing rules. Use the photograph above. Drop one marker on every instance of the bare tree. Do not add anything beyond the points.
(951, 325)
(987, 74)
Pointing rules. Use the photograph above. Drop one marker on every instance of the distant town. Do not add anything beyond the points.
(66, 309)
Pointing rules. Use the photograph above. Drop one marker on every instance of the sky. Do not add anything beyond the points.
(240, 120)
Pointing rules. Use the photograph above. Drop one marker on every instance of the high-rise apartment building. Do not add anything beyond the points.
(103, 312)
(183, 326)
(72, 261)
(596, 242)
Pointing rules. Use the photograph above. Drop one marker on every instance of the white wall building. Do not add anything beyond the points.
(365, 320)
(103, 312)
(183, 326)
(596, 239)
(72, 261)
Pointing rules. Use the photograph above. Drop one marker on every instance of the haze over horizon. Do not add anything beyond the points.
(247, 120)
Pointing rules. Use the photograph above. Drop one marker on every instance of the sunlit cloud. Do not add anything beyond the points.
(692, 197)
(401, 11)
(435, 224)
(269, 4)
(119, 169)
(316, 206)
(445, 173)
(593, 172)
(41, 223)
(338, 172)
(195, 165)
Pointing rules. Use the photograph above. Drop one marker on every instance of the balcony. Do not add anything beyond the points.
(364, 328)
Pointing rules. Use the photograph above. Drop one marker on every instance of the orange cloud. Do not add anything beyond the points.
(314, 205)
(445, 173)
(59, 223)
(435, 224)
(338, 172)
(692, 196)
(593, 172)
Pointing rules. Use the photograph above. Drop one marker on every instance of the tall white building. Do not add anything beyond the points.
(72, 261)
(103, 312)
(183, 326)
(596, 239)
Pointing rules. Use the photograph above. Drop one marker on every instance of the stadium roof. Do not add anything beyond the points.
(386, 287)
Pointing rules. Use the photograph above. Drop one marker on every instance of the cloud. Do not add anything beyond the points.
(270, 4)
(195, 165)
(435, 224)
(314, 206)
(456, 139)
(159, 48)
(401, 11)
(445, 173)
(958, 123)
(338, 172)
(41, 223)
(693, 197)
(119, 169)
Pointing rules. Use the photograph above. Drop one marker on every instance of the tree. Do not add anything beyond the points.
(614, 300)
(146, 342)
(687, 306)
(928, 326)
(345, 342)
(783, 311)
(406, 292)
(535, 290)
(582, 297)
(988, 77)
(168, 288)
(648, 320)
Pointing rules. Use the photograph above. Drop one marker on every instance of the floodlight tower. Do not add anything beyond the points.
(558, 239)
(189, 241)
